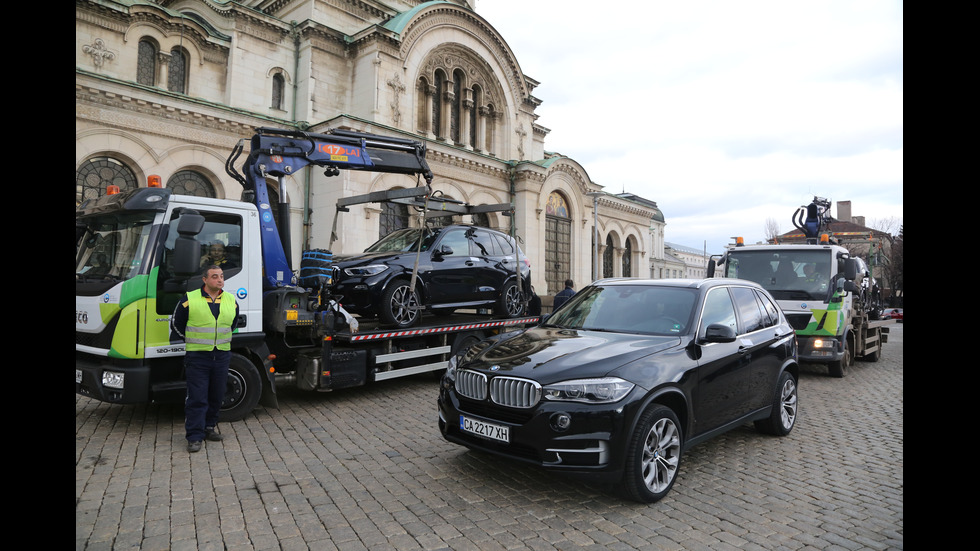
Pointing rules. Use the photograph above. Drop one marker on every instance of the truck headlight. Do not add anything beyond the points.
(824, 343)
(365, 271)
(593, 391)
(111, 379)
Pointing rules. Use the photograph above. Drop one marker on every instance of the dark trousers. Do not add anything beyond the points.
(206, 374)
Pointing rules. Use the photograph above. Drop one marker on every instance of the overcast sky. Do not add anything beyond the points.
(726, 113)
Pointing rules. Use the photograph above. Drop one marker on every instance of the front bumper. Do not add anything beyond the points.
(591, 445)
(820, 349)
(92, 373)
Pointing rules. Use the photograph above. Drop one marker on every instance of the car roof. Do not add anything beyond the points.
(689, 283)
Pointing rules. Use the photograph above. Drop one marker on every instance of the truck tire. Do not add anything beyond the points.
(840, 367)
(243, 390)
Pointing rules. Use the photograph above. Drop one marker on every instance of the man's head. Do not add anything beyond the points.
(217, 250)
(214, 279)
(569, 283)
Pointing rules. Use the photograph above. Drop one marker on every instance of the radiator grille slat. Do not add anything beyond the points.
(505, 391)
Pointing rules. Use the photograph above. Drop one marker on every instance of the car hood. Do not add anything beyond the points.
(551, 354)
(344, 261)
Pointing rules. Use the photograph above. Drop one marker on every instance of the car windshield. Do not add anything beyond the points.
(645, 309)
(406, 240)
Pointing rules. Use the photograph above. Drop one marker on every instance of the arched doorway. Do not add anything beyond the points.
(558, 242)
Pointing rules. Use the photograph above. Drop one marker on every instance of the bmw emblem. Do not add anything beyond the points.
(494, 368)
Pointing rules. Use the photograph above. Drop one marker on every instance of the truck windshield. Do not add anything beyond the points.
(113, 246)
(786, 274)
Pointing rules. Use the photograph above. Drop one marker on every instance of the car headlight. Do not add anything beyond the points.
(594, 391)
(364, 271)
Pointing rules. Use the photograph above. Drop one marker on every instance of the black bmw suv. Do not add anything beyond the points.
(626, 376)
(459, 266)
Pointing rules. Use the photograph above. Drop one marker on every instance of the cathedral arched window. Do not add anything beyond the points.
(607, 257)
(628, 259)
(177, 71)
(477, 100)
(146, 62)
(439, 83)
(394, 216)
(278, 90)
(189, 182)
(558, 242)
(456, 109)
(96, 174)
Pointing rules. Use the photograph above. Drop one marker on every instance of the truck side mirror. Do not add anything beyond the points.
(187, 249)
(850, 269)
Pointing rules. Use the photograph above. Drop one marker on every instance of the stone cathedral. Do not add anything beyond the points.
(166, 89)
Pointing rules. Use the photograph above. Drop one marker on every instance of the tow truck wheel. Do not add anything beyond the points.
(242, 390)
(511, 301)
(840, 367)
(400, 305)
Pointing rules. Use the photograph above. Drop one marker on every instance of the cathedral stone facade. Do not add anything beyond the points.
(165, 89)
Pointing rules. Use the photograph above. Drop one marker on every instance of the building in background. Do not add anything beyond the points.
(167, 88)
(693, 262)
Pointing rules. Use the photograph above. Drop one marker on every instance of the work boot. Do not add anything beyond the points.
(194, 446)
(212, 435)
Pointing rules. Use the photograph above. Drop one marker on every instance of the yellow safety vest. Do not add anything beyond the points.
(204, 333)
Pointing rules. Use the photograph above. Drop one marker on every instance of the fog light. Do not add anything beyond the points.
(560, 422)
(112, 379)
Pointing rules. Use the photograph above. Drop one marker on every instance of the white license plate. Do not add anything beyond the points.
(78, 375)
(486, 430)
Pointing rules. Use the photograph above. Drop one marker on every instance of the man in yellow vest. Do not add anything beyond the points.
(205, 320)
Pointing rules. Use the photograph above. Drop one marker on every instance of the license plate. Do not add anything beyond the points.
(78, 375)
(486, 430)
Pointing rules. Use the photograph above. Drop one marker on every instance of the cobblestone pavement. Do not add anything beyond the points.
(366, 468)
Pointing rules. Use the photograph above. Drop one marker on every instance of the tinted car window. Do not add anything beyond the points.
(718, 308)
(481, 244)
(771, 309)
(457, 241)
(504, 244)
(749, 310)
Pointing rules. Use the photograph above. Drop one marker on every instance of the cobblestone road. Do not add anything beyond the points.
(367, 469)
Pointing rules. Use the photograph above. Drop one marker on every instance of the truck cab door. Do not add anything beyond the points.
(229, 239)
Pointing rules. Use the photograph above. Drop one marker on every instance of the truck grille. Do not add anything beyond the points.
(505, 391)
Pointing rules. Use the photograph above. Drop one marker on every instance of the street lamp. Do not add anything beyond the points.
(595, 232)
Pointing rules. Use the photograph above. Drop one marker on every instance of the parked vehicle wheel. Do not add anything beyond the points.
(242, 391)
(784, 409)
(511, 301)
(653, 455)
(840, 367)
(400, 305)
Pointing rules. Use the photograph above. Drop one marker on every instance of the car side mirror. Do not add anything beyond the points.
(443, 251)
(717, 332)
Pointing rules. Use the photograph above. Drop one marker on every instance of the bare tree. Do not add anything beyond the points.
(771, 229)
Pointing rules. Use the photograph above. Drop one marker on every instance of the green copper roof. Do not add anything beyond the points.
(398, 22)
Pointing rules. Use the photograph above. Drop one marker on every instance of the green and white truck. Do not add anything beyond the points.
(828, 294)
